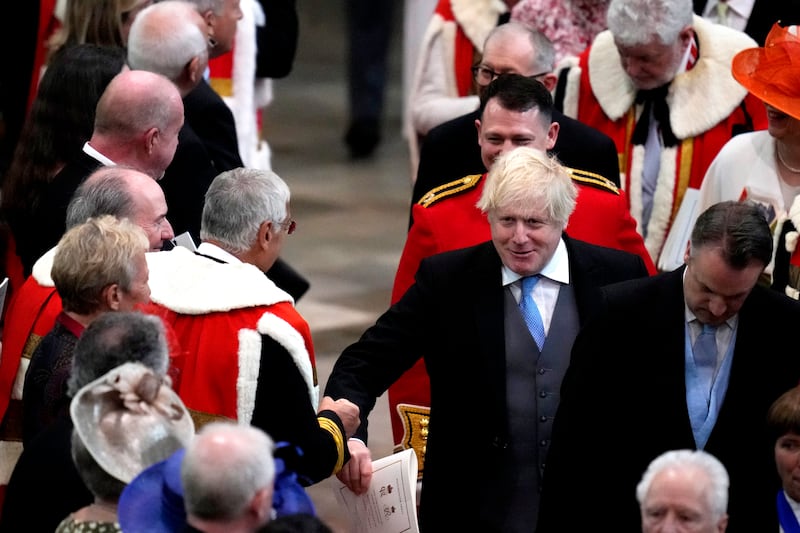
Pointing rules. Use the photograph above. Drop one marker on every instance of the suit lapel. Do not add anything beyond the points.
(584, 276)
(487, 310)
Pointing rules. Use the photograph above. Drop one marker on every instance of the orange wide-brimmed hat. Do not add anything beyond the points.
(772, 72)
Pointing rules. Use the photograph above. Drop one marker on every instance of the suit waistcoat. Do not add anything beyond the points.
(533, 380)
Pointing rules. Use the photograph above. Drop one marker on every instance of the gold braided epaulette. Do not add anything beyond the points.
(449, 189)
(592, 179)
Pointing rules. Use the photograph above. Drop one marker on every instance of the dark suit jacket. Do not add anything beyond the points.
(207, 145)
(186, 181)
(19, 35)
(280, 383)
(453, 316)
(450, 151)
(34, 238)
(212, 121)
(276, 41)
(765, 13)
(623, 402)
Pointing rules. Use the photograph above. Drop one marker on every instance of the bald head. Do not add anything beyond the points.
(124, 193)
(170, 38)
(134, 98)
(515, 47)
(137, 121)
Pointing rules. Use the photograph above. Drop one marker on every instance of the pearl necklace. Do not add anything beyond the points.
(793, 170)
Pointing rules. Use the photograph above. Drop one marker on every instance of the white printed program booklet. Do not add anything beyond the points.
(390, 504)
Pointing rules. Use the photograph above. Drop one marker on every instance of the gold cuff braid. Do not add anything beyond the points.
(331, 427)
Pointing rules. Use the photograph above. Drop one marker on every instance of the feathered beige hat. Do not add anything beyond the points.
(129, 419)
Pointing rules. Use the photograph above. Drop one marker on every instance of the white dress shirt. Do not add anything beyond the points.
(545, 293)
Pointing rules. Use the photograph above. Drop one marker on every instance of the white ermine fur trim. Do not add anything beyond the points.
(290, 338)
(663, 202)
(693, 109)
(248, 94)
(663, 199)
(791, 241)
(259, 17)
(635, 191)
(41, 268)
(434, 27)
(60, 10)
(477, 18)
(570, 103)
(445, 44)
(247, 381)
(776, 237)
(191, 284)
(794, 215)
(610, 83)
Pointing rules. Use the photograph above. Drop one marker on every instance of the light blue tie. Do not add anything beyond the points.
(530, 312)
(705, 357)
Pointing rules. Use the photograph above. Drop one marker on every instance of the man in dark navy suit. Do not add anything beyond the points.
(450, 151)
(655, 394)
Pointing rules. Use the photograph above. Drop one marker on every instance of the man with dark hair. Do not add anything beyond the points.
(695, 358)
(450, 150)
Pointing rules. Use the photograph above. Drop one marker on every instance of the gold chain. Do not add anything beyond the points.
(793, 170)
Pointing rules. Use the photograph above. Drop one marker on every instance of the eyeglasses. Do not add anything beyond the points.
(484, 75)
(289, 226)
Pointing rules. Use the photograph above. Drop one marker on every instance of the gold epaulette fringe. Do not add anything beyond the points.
(593, 179)
(448, 189)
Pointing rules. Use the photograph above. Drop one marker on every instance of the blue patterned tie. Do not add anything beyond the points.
(705, 356)
(530, 312)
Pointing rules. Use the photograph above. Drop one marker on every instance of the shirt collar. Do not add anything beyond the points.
(557, 269)
(743, 8)
(75, 327)
(88, 149)
(212, 250)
